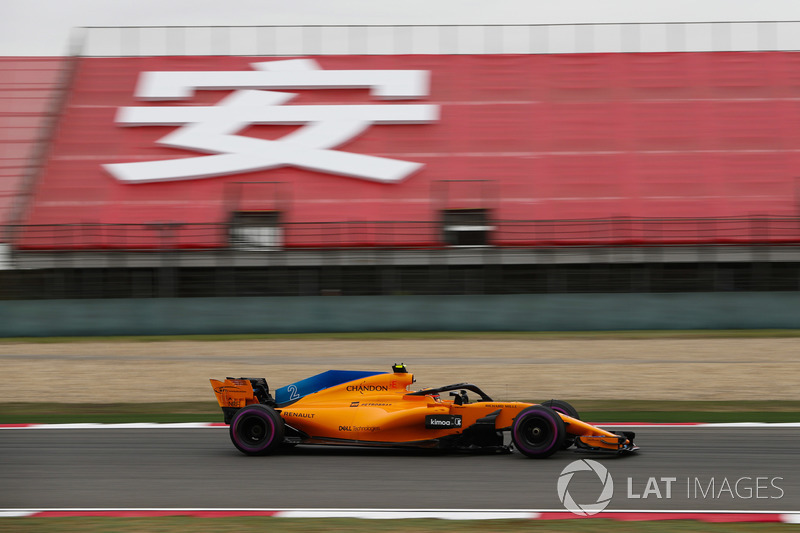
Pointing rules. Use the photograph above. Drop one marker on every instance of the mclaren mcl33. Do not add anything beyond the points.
(354, 408)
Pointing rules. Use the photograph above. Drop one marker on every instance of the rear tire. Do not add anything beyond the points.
(565, 408)
(538, 432)
(257, 430)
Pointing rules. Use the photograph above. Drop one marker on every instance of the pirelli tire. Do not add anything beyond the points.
(560, 406)
(565, 408)
(538, 432)
(257, 430)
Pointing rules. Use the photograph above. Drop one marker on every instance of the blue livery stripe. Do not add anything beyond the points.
(331, 378)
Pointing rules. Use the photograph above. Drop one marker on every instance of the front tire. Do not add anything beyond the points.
(538, 432)
(565, 408)
(560, 406)
(257, 430)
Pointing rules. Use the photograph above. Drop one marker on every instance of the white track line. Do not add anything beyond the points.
(743, 425)
(217, 425)
(137, 425)
(790, 517)
(403, 514)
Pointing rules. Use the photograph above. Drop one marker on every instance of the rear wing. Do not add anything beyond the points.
(235, 393)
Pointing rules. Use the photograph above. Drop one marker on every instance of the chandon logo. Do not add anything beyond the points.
(603, 499)
(213, 129)
(367, 388)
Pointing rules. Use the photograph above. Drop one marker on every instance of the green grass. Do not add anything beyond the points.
(113, 413)
(689, 411)
(291, 525)
(593, 411)
(699, 416)
(432, 335)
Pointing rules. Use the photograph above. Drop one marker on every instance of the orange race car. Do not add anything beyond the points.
(347, 407)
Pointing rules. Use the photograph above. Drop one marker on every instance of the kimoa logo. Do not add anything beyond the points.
(213, 129)
(602, 500)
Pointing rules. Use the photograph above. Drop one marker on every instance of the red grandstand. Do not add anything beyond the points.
(28, 100)
(532, 149)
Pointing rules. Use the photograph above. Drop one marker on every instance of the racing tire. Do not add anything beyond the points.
(538, 432)
(560, 406)
(257, 430)
(565, 408)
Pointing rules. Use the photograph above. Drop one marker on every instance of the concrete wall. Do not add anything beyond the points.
(518, 312)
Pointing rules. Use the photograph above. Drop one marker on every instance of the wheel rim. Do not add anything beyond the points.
(537, 432)
(253, 430)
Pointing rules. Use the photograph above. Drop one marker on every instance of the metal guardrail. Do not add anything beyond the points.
(170, 275)
(618, 231)
(359, 258)
(135, 41)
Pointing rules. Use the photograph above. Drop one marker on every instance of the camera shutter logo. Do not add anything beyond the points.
(590, 508)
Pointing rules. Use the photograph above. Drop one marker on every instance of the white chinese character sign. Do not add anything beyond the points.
(386, 138)
(258, 98)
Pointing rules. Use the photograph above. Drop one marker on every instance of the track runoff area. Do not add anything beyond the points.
(571, 508)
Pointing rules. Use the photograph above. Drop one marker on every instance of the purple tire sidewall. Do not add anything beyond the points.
(263, 416)
(518, 439)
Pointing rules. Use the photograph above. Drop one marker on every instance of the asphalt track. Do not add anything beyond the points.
(714, 469)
